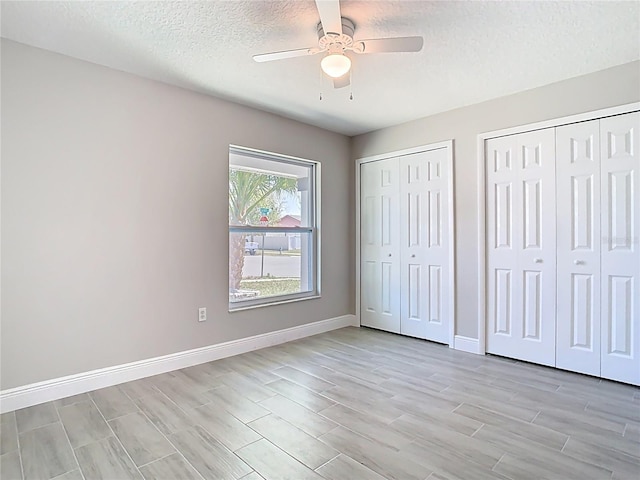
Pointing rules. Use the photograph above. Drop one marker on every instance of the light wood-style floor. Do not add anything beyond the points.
(349, 404)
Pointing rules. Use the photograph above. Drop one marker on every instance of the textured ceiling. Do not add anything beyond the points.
(474, 50)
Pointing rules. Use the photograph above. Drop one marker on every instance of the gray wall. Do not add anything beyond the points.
(114, 217)
(607, 88)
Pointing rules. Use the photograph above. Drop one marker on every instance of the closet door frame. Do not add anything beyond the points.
(451, 297)
(482, 196)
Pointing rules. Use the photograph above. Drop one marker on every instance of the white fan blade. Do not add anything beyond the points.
(388, 45)
(343, 81)
(267, 57)
(330, 18)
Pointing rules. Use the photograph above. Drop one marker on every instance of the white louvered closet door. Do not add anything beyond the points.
(425, 245)
(578, 230)
(521, 245)
(380, 245)
(620, 220)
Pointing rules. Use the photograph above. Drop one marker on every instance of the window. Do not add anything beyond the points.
(273, 234)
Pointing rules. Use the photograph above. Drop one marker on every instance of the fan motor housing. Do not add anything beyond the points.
(329, 40)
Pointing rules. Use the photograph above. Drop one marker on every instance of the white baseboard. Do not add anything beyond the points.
(36, 393)
(466, 344)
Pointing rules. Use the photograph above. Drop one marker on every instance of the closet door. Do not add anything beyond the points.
(578, 230)
(620, 219)
(380, 245)
(425, 245)
(521, 243)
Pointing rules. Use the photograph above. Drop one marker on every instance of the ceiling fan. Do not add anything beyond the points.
(335, 38)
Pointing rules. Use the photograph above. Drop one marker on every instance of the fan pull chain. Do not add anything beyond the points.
(320, 70)
(351, 84)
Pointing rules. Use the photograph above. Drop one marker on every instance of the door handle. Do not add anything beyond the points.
(538, 260)
(578, 262)
(413, 255)
(389, 254)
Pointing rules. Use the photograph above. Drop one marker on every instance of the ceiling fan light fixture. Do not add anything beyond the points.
(335, 65)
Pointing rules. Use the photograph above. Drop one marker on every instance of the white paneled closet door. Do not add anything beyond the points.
(578, 230)
(425, 245)
(620, 220)
(521, 245)
(380, 245)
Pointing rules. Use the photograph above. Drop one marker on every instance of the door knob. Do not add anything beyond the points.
(538, 260)
(389, 254)
(413, 255)
(579, 262)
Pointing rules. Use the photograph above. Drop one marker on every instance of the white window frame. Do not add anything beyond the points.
(313, 257)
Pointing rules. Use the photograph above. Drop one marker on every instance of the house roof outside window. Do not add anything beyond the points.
(289, 221)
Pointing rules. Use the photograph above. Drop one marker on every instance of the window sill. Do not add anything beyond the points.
(275, 301)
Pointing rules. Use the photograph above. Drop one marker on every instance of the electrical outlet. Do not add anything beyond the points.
(202, 314)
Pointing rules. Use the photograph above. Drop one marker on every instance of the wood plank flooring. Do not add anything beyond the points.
(348, 404)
